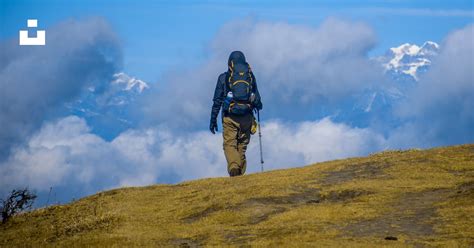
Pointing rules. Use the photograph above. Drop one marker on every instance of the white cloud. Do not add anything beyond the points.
(296, 60)
(65, 153)
(296, 66)
(288, 145)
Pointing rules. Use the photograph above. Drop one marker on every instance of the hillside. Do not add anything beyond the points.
(393, 198)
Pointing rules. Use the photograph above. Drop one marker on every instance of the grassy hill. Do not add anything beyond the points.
(393, 198)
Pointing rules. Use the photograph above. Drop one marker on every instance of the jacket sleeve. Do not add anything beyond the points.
(218, 97)
(258, 100)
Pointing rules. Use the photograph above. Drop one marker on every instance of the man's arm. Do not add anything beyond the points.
(217, 102)
(257, 103)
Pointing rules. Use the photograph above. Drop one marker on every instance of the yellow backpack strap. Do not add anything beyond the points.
(250, 73)
(240, 81)
(231, 69)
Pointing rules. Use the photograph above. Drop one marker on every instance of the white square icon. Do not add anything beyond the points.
(39, 40)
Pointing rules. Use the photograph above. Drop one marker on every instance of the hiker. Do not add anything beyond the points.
(236, 92)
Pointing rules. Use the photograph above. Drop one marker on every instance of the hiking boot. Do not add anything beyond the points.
(234, 172)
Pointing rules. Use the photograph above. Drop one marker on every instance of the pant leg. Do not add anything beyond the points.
(230, 134)
(243, 141)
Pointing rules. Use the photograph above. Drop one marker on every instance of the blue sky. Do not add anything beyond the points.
(68, 121)
(159, 34)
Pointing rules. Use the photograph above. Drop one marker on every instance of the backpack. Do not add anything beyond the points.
(239, 83)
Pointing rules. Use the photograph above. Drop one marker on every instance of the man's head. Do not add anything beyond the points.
(237, 57)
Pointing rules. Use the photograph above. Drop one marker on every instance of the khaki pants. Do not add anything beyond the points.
(236, 132)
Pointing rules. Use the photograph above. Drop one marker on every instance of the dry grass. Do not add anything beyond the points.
(419, 197)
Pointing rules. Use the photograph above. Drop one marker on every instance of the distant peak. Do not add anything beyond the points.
(407, 58)
(130, 82)
(406, 48)
(431, 44)
(430, 48)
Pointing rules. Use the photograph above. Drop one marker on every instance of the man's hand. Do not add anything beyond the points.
(213, 126)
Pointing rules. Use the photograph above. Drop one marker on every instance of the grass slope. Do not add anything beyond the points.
(419, 197)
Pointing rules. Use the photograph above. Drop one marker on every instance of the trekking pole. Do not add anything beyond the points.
(260, 139)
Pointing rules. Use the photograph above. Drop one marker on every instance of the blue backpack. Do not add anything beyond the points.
(240, 84)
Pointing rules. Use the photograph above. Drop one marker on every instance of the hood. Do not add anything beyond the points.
(238, 57)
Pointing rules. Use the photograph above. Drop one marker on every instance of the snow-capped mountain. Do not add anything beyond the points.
(409, 59)
(404, 64)
(130, 83)
(107, 110)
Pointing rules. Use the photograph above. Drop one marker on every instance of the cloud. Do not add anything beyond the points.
(288, 145)
(35, 80)
(297, 67)
(438, 111)
(64, 154)
(290, 58)
(59, 152)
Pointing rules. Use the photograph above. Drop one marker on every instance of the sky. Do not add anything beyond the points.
(182, 29)
(67, 124)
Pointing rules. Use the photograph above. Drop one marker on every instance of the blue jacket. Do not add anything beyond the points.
(221, 91)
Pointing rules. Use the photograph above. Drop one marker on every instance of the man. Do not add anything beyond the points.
(236, 92)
